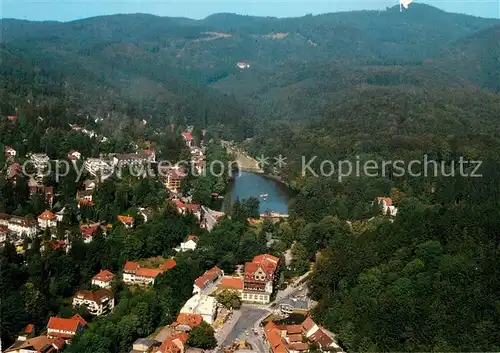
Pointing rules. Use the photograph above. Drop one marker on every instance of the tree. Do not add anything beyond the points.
(202, 336)
(229, 298)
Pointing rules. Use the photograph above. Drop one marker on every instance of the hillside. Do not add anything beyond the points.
(155, 65)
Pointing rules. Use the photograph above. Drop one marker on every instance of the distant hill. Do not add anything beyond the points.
(298, 66)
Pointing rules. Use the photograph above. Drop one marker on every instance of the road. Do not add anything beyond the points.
(283, 295)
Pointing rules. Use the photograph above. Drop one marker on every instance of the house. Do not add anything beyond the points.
(149, 154)
(89, 185)
(201, 304)
(40, 161)
(88, 231)
(23, 226)
(232, 283)
(103, 279)
(59, 327)
(173, 178)
(12, 118)
(299, 338)
(173, 344)
(187, 322)
(98, 168)
(259, 278)
(386, 205)
(144, 345)
(40, 344)
(74, 155)
(188, 138)
(15, 169)
(10, 152)
(27, 332)
(4, 232)
(85, 202)
(84, 194)
(60, 214)
(98, 303)
(127, 221)
(133, 273)
(47, 220)
(141, 157)
(242, 65)
(189, 244)
(185, 208)
(207, 279)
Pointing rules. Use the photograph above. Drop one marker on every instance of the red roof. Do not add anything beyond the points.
(131, 266)
(299, 346)
(104, 276)
(58, 323)
(278, 345)
(307, 325)
(12, 117)
(388, 200)
(148, 152)
(231, 283)
(148, 272)
(125, 219)
(28, 330)
(88, 231)
(174, 343)
(38, 344)
(322, 338)
(191, 320)
(192, 207)
(82, 202)
(268, 262)
(168, 265)
(187, 135)
(193, 238)
(47, 215)
(208, 277)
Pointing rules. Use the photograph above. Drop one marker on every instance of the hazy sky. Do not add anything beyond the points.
(67, 10)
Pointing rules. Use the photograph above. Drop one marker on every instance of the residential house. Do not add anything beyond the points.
(133, 273)
(14, 170)
(207, 279)
(189, 244)
(232, 283)
(4, 232)
(47, 191)
(89, 185)
(173, 178)
(27, 333)
(98, 303)
(84, 194)
(47, 220)
(141, 157)
(290, 338)
(88, 231)
(23, 226)
(40, 161)
(201, 304)
(103, 279)
(188, 138)
(40, 344)
(386, 205)
(144, 345)
(187, 322)
(260, 275)
(173, 344)
(185, 208)
(10, 152)
(74, 155)
(59, 327)
(127, 221)
(12, 118)
(98, 168)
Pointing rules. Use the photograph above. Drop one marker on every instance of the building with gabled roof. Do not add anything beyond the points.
(47, 220)
(259, 278)
(232, 283)
(59, 327)
(98, 303)
(201, 304)
(189, 244)
(207, 279)
(39, 344)
(173, 344)
(126, 220)
(134, 273)
(103, 279)
(187, 321)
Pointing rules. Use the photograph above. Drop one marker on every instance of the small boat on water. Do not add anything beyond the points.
(264, 196)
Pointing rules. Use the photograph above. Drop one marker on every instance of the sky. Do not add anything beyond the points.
(69, 10)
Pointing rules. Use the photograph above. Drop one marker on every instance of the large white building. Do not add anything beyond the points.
(204, 305)
(19, 225)
(98, 303)
(98, 167)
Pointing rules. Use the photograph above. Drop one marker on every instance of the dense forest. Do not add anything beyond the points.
(366, 85)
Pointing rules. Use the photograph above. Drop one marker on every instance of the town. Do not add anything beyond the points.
(245, 310)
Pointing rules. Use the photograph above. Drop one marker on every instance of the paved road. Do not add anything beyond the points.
(283, 295)
(249, 317)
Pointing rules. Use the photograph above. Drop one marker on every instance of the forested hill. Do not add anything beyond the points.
(144, 65)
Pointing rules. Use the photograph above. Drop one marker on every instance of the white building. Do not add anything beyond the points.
(47, 220)
(189, 244)
(74, 155)
(10, 152)
(98, 303)
(133, 273)
(22, 225)
(242, 65)
(201, 304)
(98, 167)
(387, 207)
(103, 279)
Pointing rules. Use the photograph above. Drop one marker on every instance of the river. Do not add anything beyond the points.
(247, 184)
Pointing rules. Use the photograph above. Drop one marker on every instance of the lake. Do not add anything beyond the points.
(253, 185)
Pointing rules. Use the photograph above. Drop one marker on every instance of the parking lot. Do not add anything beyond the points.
(247, 319)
